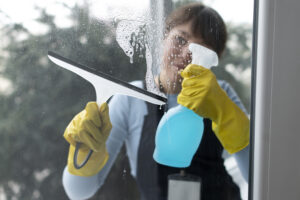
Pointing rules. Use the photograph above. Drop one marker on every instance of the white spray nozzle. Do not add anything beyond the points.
(203, 56)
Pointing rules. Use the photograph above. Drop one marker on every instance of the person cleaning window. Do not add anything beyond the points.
(133, 121)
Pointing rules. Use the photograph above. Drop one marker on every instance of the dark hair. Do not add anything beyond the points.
(206, 23)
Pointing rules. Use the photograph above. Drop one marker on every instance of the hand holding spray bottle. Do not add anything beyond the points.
(180, 130)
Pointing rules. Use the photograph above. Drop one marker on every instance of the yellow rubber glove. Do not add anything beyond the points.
(202, 94)
(91, 127)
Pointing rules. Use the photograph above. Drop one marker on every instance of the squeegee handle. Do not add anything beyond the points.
(76, 165)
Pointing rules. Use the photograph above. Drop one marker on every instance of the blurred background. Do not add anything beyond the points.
(38, 99)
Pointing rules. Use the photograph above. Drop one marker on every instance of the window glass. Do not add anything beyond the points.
(124, 39)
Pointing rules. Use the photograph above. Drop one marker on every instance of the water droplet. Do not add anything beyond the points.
(124, 173)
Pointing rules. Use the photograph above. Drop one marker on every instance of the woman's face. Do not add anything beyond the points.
(176, 56)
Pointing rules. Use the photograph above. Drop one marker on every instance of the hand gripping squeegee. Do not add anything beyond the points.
(106, 86)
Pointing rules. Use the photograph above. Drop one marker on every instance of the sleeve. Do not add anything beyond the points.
(241, 157)
(77, 187)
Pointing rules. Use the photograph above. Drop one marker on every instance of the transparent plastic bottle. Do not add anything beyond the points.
(180, 130)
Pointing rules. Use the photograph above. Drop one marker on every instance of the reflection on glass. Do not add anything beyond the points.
(127, 41)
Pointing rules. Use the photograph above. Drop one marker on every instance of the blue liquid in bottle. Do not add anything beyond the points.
(178, 137)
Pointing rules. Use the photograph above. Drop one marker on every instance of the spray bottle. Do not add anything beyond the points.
(180, 130)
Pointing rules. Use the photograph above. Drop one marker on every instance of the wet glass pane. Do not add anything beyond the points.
(123, 39)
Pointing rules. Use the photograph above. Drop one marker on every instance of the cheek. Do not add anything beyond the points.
(171, 74)
(170, 55)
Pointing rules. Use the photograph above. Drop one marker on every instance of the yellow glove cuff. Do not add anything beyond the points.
(232, 126)
(233, 140)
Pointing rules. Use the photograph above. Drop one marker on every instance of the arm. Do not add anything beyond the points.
(202, 94)
(79, 187)
(241, 157)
